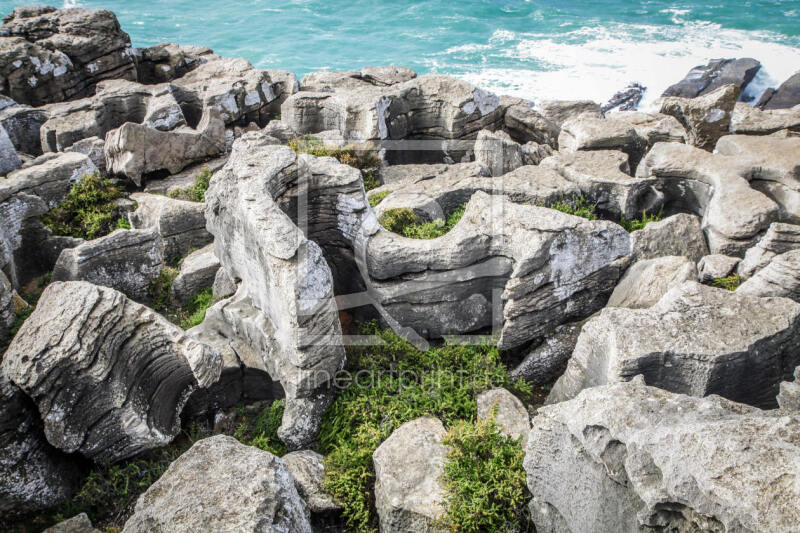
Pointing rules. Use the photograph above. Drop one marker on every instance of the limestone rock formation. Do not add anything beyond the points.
(125, 260)
(308, 472)
(507, 411)
(559, 111)
(547, 361)
(647, 281)
(50, 177)
(166, 61)
(498, 152)
(779, 239)
(224, 486)
(586, 132)
(10, 305)
(705, 118)
(23, 123)
(109, 376)
(696, 340)
(77, 524)
(627, 457)
(9, 160)
(749, 120)
(781, 277)
(655, 127)
(95, 148)
(679, 235)
(409, 492)
(789, 395)
(52, 55)
(182, 224)
(330, 81)
(786, 96)
(715, 266)
(198, 271)
(525, 124)
(704, 79)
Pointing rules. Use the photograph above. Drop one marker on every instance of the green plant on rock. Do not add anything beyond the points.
(194, 313)
(158, 292)
(484, 480)
(363, 160)
(88, 210)
(197, 191)
(262, 431)
(396, 383)
(639, 223)
(404, 222)
(730, 283)
(378, 197)
(577, 205)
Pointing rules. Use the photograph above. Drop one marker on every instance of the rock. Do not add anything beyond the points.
(326, 80)
(779, 238)
(705, 118)
(786, 96)
(167, 62)
(185, 179)
(182, 224)
(749, 120)
(51, 55)
(627, 99)
(498, 152)
(603, 177)
(93, 147)
(654, 127)
(647, 281)
(109, 376)
(33, 474)
(409, 492)
(223, 286)
(716, 266)
(738, 346)
(10, 305)
(307, 470)
(9, 160)
(559, 111)
(774, 168)
(249, 491)
(789, 396)
(50, 177)
(525, 124)
(77, 524)
(198, 272)
(714, 187)
(22, 123)
(135, 149)
(587, 132)
(507, 412)
(781, 277)
(125, 260)
(704, 79)
(638, 458)
(548, 360)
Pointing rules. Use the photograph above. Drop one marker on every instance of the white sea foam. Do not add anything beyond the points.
(72, 3)
(595, 62)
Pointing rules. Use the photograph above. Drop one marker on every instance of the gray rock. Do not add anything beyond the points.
(716, 266)
(77, 524)
(696, 340)
(498, 152)
(384, 76)
(548, 360)
(704, 79)
(52, 55)
(10, 305)
(224, 286)
(638, 459)
(781, 277)
(182, 224)
(705, 118)
(167, 62)
(525, 124)
(786, 96)
(50, 177)
(125, 260)
(198, 272)
(249, 491)
(409, 492)
(308, 472)
(22, 123)
(95, 148)
(33, 474)
(559, 111)
(749, 120)
(679, 235)
(779, 238)
(626, 99)
(714, 187)
(507, 412)
(587, 132)
(109, 376)
(647, 281)
(789, 395)
(654, 127)
(9, 160)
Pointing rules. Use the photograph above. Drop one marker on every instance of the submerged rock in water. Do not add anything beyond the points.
(627, 99)
(704, 79)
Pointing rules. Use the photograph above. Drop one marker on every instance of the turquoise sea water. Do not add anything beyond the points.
(535, 48)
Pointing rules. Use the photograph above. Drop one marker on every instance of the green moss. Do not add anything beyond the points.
(484, 480)
(639, 223)
(577, 205)
(396, 384)
(378, 197)
(730, 283)
(365, 161)
(88, 210)
(262, 431)
(195, 312)
(158, 291)
(197, 192)
(404, 222)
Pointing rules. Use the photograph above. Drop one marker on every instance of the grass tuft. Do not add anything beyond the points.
(404, 222)
(88, 210)
(378, 197)
(262, 431)
(194, 313)
(730, 283)
(197, 192)
(577, 205)
(366, 162)
(639, 223)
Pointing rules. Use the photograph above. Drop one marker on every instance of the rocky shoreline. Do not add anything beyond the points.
(195, 252)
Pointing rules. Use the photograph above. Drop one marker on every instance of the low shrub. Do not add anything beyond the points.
(404, 222)
(577, 205)
(194, 313)
(730, 283)
(378, 197)
(88, 210)
(262, 431)
(639, 223)
(158, 292)
(197, 192)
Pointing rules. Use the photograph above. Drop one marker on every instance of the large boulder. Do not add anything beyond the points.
(715, 266)
(748, 120)
(704, 79)
(166, 62)
(224, 486)
(779, 239)
(787, 95)
(409, 491)
(714, 187)
(696, 340)
(560, 111)
(655, 127)
(50, 177)
(498, 152)
(51, 55)
(705, 118)
(632, 458)
(525, 124)
(125, 260)
(77, 524)
(182, 224)
(587, 132)
(198, 271)
(647, 281)
(679, 235)
(781, 277)
(109, 376)
(23, 123)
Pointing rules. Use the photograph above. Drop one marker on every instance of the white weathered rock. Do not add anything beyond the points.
(559, 111)
(77, 524)
(507, 412)
(779, 239)
(679, 235)
(50, 177)
(198, 272)
(108, 375)
(789, 395)
(646, 281)
(94, 147)
(587, 132)
(781, 277)
(409, 492)
(498, 152)
(705, 118)
(749, 120)
(716, 266)
(182, 224)
(224, 486)
(525, 124)
(308, 472)
(696, 340)
(627, 457)
(331, 81)
(655, 127)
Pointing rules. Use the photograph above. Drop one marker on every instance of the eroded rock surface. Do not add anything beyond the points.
(705, 118)
(507, 411)
(704, 79)
(182, 224)
(646, 281)
(781, 277)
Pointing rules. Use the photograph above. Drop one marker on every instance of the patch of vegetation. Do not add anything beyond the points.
(639, 223)
(195, 312)
(485, 480)
(396, 383)
(366, 162)
(404, 222)
(730, 283)
(378, 197)
(262, 431)
(577, 205)
(197, 192)
(88, 210)
(158, 292)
